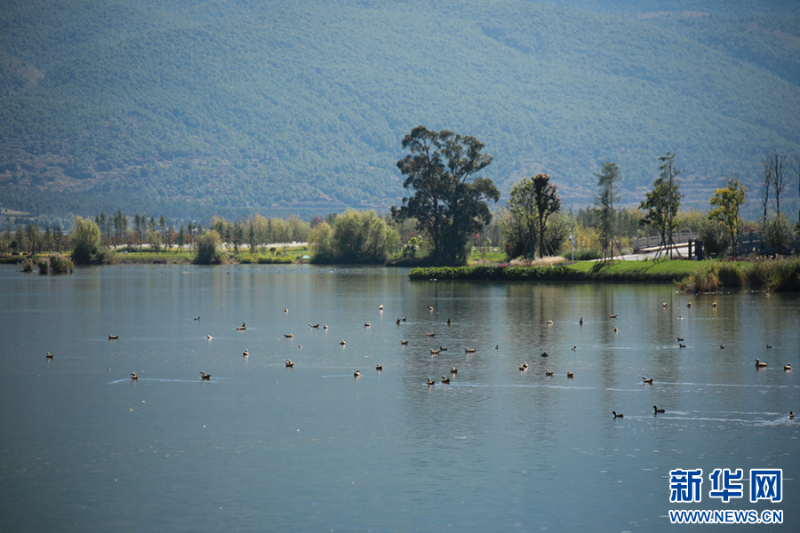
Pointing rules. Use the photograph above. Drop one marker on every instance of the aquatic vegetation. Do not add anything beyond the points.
(705, 279)
(60, 264)
(731, 275)
(786, 275)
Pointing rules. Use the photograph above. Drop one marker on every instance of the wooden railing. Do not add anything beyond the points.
(751, 243)
(653, 241)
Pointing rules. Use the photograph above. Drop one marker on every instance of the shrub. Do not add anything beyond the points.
(585, 254)
(356, 237)
(716, 239)
(85, 240)
(60, 264)
(44, 265)
(27, 265)
(207, 249)
(778, 231)
(274, 260)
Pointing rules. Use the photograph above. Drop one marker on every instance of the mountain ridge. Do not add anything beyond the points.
(303, 107)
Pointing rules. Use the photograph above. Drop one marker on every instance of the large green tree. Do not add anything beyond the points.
(728, 202)
(607, 181)
(663, 201)
(450, 200)
(519, 222)
(547, 203)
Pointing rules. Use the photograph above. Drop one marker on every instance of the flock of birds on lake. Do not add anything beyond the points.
(445, 380)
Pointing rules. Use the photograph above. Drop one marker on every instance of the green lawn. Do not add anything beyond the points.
(491, 257)
(674, 266)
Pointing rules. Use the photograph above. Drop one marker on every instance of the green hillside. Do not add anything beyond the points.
(202, 107)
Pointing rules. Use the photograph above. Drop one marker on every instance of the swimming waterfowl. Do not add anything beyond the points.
(198, 318)
(454, 370)
(431, 334)
(714, 304)
(680, 340)
(612, 316)
(404, 342)
(288, 335)
(445, 379)
(367, 324)
(397, 322)
(342, 342)
(759, 364)
(325, 326)
(285, 309)
(616, 330)
(49, 355)
(430, 308)
(431, 382)
(657, 410)
(545, 354)
(523, 366)
(246, 353)
(469, 350)
(681, 345)
(134, 376)
(549, 322)
(448, 321)
(404, 319)
(357, 373)
(581, 321)
(442, 349)
(241, 328)
(548, 372)
(689, 305)
(497, 347)
(289, 363)
(574, 348)
(664, 305)
(788, 367)
(617, 415)
(379, 367)
(721, 346)
(768, 346)
(381, 307)
(646, 380)
(791, 414)
(209, 337)
(434, 352)
(113, 337)
(204, 376)
(570, 375)
(313, 325)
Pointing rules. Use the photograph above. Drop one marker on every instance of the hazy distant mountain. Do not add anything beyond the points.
(200, 107)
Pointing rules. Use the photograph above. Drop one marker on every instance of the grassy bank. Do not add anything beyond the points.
(691, 276)
(624, 271)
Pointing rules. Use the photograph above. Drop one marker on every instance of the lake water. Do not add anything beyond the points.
(262, 447)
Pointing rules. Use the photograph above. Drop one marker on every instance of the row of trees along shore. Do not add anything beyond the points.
(446, 216)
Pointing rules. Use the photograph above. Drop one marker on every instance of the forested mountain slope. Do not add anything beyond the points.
(200, 107)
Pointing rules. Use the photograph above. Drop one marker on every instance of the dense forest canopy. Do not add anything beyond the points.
(196, 108)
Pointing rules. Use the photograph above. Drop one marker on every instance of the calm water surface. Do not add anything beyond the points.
(261, 447)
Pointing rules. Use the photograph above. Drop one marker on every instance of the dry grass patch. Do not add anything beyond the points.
(541, 262)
